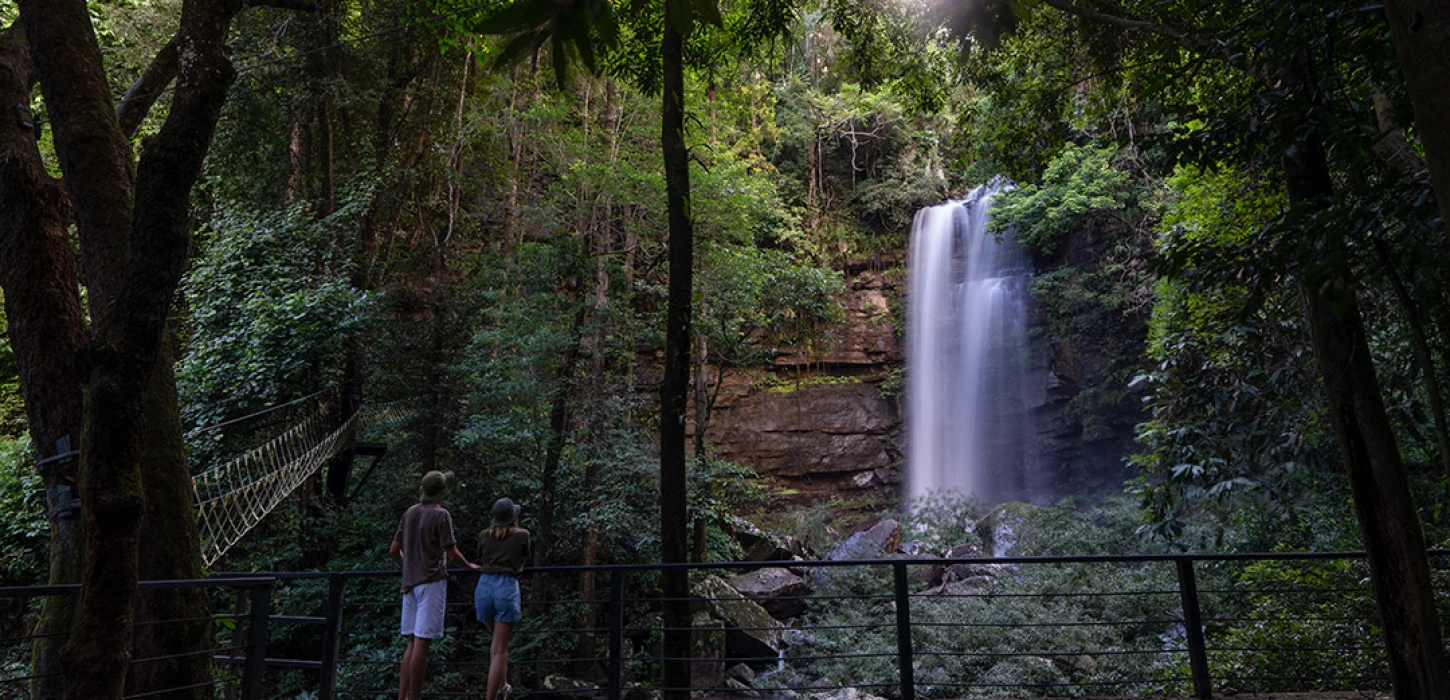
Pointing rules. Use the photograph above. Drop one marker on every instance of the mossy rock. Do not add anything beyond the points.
(750, 630)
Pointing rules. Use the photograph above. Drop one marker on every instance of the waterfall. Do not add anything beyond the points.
(970, 386)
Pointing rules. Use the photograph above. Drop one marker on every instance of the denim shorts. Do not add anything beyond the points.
(497, 598)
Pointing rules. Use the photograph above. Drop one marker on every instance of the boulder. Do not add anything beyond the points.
(750, 631)
(741, 688)
(744, 531)
(768, 550)
(759, 545)
(883, 537)
(797, 548)
(778, 590)
(740, 672)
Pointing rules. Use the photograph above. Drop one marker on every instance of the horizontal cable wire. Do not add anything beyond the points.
(1047, 624)
(931, 596)
(1128, 652)
(186, 654)
(1145, 681)
(193, 686)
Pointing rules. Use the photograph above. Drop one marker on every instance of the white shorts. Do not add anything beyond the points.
(423, 608)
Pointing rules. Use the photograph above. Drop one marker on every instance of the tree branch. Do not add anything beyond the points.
(1074, 8)
(1186, 39)
(137, 102)
(142, 95)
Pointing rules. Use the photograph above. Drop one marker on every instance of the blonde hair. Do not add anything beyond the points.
(499, 532)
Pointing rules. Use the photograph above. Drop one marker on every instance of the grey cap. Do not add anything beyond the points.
(505, 512)
(435, 486)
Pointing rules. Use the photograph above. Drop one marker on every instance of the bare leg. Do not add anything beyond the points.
(405, 672)
(498, 657)
(415, 666)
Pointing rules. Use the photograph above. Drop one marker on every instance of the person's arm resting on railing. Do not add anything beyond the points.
(455, 555)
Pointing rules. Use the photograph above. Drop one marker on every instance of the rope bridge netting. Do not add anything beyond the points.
(233, 497)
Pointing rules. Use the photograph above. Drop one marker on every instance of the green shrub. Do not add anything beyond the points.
(24, 532)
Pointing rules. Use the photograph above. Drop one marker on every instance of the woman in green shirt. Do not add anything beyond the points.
(502, 550)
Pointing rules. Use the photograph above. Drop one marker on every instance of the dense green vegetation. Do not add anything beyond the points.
(1231, 211)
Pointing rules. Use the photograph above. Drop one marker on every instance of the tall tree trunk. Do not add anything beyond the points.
(675, 386)
(172, 552)
(1421, 29)
(46, 327)
(134, 239)
(516, 157)
(1399, 568)
(96, 160)
(559, 410)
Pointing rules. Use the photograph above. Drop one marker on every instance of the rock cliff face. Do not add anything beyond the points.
(820, 425)
(828, 424)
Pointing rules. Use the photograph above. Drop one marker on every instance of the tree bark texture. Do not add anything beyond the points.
(1393, 541)
(46, 327)
(134, 234)
(675, 387)
(96, 160)
(1421, 29)
(172, 552)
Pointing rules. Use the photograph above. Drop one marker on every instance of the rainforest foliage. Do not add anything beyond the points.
(463, 207)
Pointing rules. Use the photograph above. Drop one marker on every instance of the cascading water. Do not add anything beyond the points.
(970, 382)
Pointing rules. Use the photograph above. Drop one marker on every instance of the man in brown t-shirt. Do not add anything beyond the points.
(423, 540)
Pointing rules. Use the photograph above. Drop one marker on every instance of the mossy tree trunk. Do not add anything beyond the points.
(675, 387)
(172, 552)
(46, 327)
(133, 226)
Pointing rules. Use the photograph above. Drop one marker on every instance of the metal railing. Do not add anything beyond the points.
(248, 649)
(1134, 624)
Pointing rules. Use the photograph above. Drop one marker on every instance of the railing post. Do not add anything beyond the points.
(1193, 625)
(616, 634)
(903, 633)
(238, 610)
(257, 619)
(331, 637)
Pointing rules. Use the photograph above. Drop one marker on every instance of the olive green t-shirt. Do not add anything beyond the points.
(505, 556)
(425, 533)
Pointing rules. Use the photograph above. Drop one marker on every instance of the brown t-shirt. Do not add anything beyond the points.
(505, 556)
(425, 533)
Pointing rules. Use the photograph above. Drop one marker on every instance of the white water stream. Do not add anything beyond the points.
(969, 421)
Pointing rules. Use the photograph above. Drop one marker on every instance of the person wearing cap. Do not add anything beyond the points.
(423, 545)
(502, 550)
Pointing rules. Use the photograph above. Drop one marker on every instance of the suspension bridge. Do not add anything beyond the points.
(235, 496)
